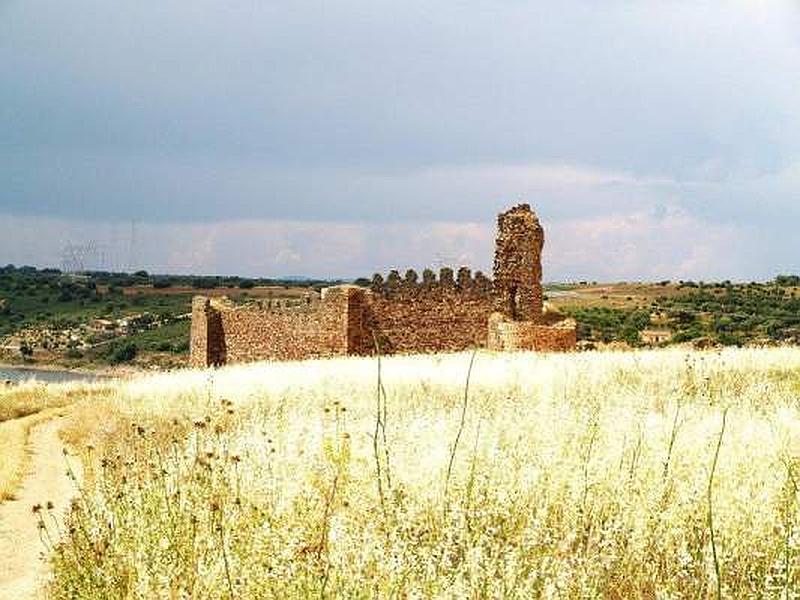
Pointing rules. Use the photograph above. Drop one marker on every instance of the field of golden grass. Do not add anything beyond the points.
(660, 474)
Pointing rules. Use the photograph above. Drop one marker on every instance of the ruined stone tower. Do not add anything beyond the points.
(518, 264)
(519, 320)
(403, 315)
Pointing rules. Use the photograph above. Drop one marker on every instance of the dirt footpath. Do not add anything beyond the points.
(22, 569)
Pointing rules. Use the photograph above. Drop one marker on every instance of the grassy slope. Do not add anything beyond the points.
(41, 306)
(575, 476)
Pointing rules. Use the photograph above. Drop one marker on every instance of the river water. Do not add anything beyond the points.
(17, 375)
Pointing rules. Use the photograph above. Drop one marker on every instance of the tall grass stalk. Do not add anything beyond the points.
(711, 504)
(672, 437)
(379, 424)
(454, 448)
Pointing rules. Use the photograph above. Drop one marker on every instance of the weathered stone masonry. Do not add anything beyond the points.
(400, 314)
(223, 333)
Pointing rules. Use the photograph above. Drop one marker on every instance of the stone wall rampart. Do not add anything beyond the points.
(262, 335)
(433, 312)
(223, 332)
(433, 320)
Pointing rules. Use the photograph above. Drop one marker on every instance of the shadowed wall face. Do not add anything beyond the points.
(207, 339)
(518, 264)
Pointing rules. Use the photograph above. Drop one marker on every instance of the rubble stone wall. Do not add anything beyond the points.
(223, 333)
(348, 320)
(440, 318)
(506, 335)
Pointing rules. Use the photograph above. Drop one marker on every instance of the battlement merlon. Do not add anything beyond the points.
(461, 282)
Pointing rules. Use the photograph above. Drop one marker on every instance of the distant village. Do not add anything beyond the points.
(84, 336)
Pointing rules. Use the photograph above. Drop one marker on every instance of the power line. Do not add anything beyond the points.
(78, 258)
(132, 257)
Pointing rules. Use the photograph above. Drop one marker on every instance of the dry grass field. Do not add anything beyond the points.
(660, 474)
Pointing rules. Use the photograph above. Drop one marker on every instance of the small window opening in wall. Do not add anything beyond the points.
(513, 301)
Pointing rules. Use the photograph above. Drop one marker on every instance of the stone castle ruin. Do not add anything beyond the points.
(448, 313)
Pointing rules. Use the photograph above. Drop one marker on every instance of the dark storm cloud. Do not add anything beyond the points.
(365, 111)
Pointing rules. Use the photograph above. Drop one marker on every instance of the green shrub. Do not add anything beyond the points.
(205, 283)
(124, 352)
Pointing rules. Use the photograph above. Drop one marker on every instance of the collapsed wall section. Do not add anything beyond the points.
(508, 336)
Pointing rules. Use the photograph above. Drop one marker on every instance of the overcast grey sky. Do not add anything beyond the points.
(655, 139)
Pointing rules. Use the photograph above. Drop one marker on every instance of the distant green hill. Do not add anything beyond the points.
(102, 317)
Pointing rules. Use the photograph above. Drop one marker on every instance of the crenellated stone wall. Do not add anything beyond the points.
(410, 285)
(444, 315)
(448, 311)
